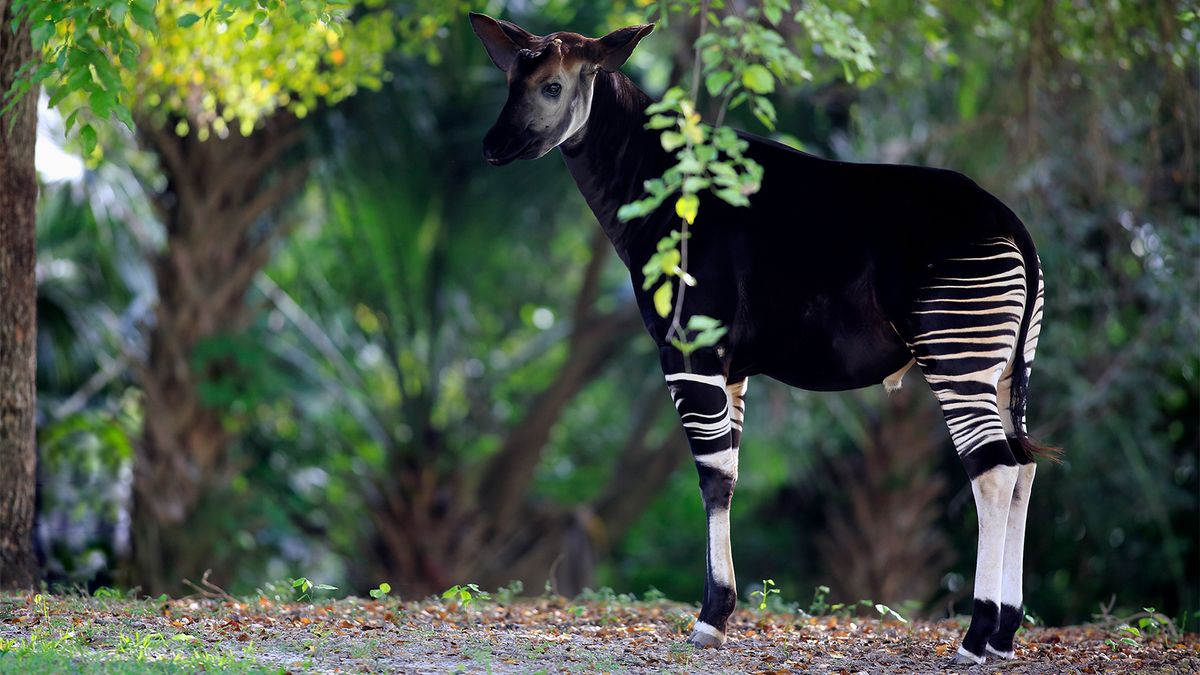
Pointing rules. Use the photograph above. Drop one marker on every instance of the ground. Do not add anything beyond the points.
(549, 635)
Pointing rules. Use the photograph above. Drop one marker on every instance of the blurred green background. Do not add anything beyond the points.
(346, 348)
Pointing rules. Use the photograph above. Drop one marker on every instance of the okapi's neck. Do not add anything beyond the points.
(615, 155)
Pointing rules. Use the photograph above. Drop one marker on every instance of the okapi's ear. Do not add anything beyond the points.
(502, 39)
(613, 49)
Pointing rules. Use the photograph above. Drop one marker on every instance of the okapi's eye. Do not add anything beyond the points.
(552, 90)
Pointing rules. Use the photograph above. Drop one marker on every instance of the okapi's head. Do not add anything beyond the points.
(550, 81)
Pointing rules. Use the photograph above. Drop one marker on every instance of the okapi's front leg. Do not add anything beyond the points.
(711, 411)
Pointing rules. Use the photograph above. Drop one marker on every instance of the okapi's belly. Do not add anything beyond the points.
(833, 354)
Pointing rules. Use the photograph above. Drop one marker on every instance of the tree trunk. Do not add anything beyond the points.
(435, 528)
(18, 320)
(218, 193)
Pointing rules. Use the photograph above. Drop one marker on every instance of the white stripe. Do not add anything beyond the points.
(702, 627)
(726, 461)
(714, 380)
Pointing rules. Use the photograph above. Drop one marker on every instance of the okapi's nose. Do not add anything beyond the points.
(501, 145)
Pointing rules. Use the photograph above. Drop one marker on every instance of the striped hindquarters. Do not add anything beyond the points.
(965, 324)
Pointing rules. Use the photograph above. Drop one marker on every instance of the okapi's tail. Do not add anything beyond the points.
(1020, 368)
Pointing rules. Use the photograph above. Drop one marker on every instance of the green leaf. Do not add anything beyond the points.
(87, 136)
(661, 122)
(671, 140)
(101, 103)
(41, 33)
(716, 81)
(758, 79)
(733, 197)
(701, 322)
(773, 14)
(669, 261)
(764, 110)
(708, 338)
(123, 114)
(187, 19)
(662, 299)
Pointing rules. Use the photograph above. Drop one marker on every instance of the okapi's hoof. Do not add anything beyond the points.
(1006, 655)
(966, 658)
(705, 636)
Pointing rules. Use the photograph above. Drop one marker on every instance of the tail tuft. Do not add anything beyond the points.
(1036, 451)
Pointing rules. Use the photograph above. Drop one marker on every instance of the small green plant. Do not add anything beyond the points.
(818, 606)
(885, 611)
(381, 592)
(466, 594)
(303, 588)
(1155, 623)
(652, 594)
(1116, 645)
(507, 594)
(768, 589)
(105, 593)
(39, 606)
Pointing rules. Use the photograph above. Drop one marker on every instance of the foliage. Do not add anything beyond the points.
(237, 67)
(741, 58)
(304, 588)
(93, 58)
(768, 589)
(465, 595)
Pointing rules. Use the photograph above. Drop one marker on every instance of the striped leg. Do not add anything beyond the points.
(711, 411)
(963, 334)
(1001, 642)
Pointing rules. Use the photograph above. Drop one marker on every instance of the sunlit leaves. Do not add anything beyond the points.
(687, 206)
(221, 64)
(664, 261)
(662, 299)
(226, 70)
(838, 37)
(84, 44)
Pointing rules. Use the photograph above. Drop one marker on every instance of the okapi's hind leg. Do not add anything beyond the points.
(963, 332)
(711, 410)
(1000, 643)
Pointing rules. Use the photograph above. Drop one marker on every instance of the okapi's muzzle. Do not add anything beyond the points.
(502, 145)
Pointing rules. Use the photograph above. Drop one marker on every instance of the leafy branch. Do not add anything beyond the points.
(740, 60)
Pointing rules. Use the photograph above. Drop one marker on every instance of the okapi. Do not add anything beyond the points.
(837, 276)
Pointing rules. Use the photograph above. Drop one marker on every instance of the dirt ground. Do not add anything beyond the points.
(526, 636)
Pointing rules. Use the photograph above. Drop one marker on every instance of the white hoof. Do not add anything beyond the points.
(964, 657)
(1007, 656)
(705, 636)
